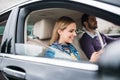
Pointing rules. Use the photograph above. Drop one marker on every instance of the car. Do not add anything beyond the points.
(25, 31)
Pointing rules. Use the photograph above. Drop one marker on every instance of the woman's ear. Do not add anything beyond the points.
(59, 31)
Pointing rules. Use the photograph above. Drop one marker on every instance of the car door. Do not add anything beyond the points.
(18, 66)
(1, 57)
(7, 34)
(3, 20)
(29, 68)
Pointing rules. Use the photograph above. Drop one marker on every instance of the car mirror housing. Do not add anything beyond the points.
(109, 62)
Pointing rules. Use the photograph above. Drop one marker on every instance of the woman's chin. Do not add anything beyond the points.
(71, 42)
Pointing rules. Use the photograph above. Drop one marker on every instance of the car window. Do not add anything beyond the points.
(39, 28)
(38, 31)
(2, 27)
(39, 51)
(3, 21)
(39, 25)
(29, 50)
(107, 27)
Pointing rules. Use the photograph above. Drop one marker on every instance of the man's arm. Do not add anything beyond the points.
(87, 47)
(109, 39)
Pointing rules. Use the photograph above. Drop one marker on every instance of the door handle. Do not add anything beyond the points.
(14, 73)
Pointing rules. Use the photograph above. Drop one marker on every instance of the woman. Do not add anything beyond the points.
(62, 38)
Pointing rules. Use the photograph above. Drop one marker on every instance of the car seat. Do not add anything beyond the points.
(42, 32)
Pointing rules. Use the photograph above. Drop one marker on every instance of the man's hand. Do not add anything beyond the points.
(95, 56)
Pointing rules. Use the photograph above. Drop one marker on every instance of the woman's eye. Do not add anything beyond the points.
(71, 31)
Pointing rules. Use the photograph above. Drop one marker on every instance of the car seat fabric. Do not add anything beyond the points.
(78, 47)
(42, 32)
(43, 28)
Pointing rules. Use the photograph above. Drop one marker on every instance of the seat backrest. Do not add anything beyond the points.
(42, 31)
(78, 47)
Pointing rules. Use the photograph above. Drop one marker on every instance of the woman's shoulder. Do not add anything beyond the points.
(54, 45)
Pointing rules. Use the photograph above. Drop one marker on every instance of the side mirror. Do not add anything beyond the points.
(109, 62)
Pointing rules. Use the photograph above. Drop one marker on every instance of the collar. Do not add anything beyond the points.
(91, 35)
(60, 45)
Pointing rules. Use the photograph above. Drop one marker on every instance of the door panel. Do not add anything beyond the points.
(19, 69)
(1, 75)
(1, 58)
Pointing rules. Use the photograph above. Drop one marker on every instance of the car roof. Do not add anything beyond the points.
(101, 5)
(109, 9)
(113, 2)
(95, 3)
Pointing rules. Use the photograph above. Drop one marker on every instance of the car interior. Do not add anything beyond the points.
(43, 21)
(39, 25)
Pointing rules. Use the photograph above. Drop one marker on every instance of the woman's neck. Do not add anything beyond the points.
(60, 41)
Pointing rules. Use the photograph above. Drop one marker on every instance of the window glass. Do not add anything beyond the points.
(30, 31)
(39, 28)
(29, 50)
(39, 51)
(3, 21)
(107, 27)
(2, 27)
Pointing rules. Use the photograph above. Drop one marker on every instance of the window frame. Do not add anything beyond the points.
(25, 10)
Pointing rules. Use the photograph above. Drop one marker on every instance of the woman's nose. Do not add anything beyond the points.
(75, 34)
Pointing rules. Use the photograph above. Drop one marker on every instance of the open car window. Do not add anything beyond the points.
(39, 26)
(38, 31)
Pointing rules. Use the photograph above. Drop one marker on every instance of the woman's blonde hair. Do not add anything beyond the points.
(61, 24)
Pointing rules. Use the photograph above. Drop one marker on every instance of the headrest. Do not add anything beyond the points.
(43, 28)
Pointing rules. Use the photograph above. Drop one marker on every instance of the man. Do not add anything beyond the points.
(92, 41)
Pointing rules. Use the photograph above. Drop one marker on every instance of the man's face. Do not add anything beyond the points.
(92, 23)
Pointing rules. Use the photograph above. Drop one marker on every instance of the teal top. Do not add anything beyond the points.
(67, 48)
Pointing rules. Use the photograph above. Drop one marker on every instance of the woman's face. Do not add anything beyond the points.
(67, 35)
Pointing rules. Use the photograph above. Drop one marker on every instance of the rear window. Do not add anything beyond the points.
(3, 21)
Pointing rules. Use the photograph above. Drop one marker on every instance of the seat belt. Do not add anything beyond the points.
(101, 40)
